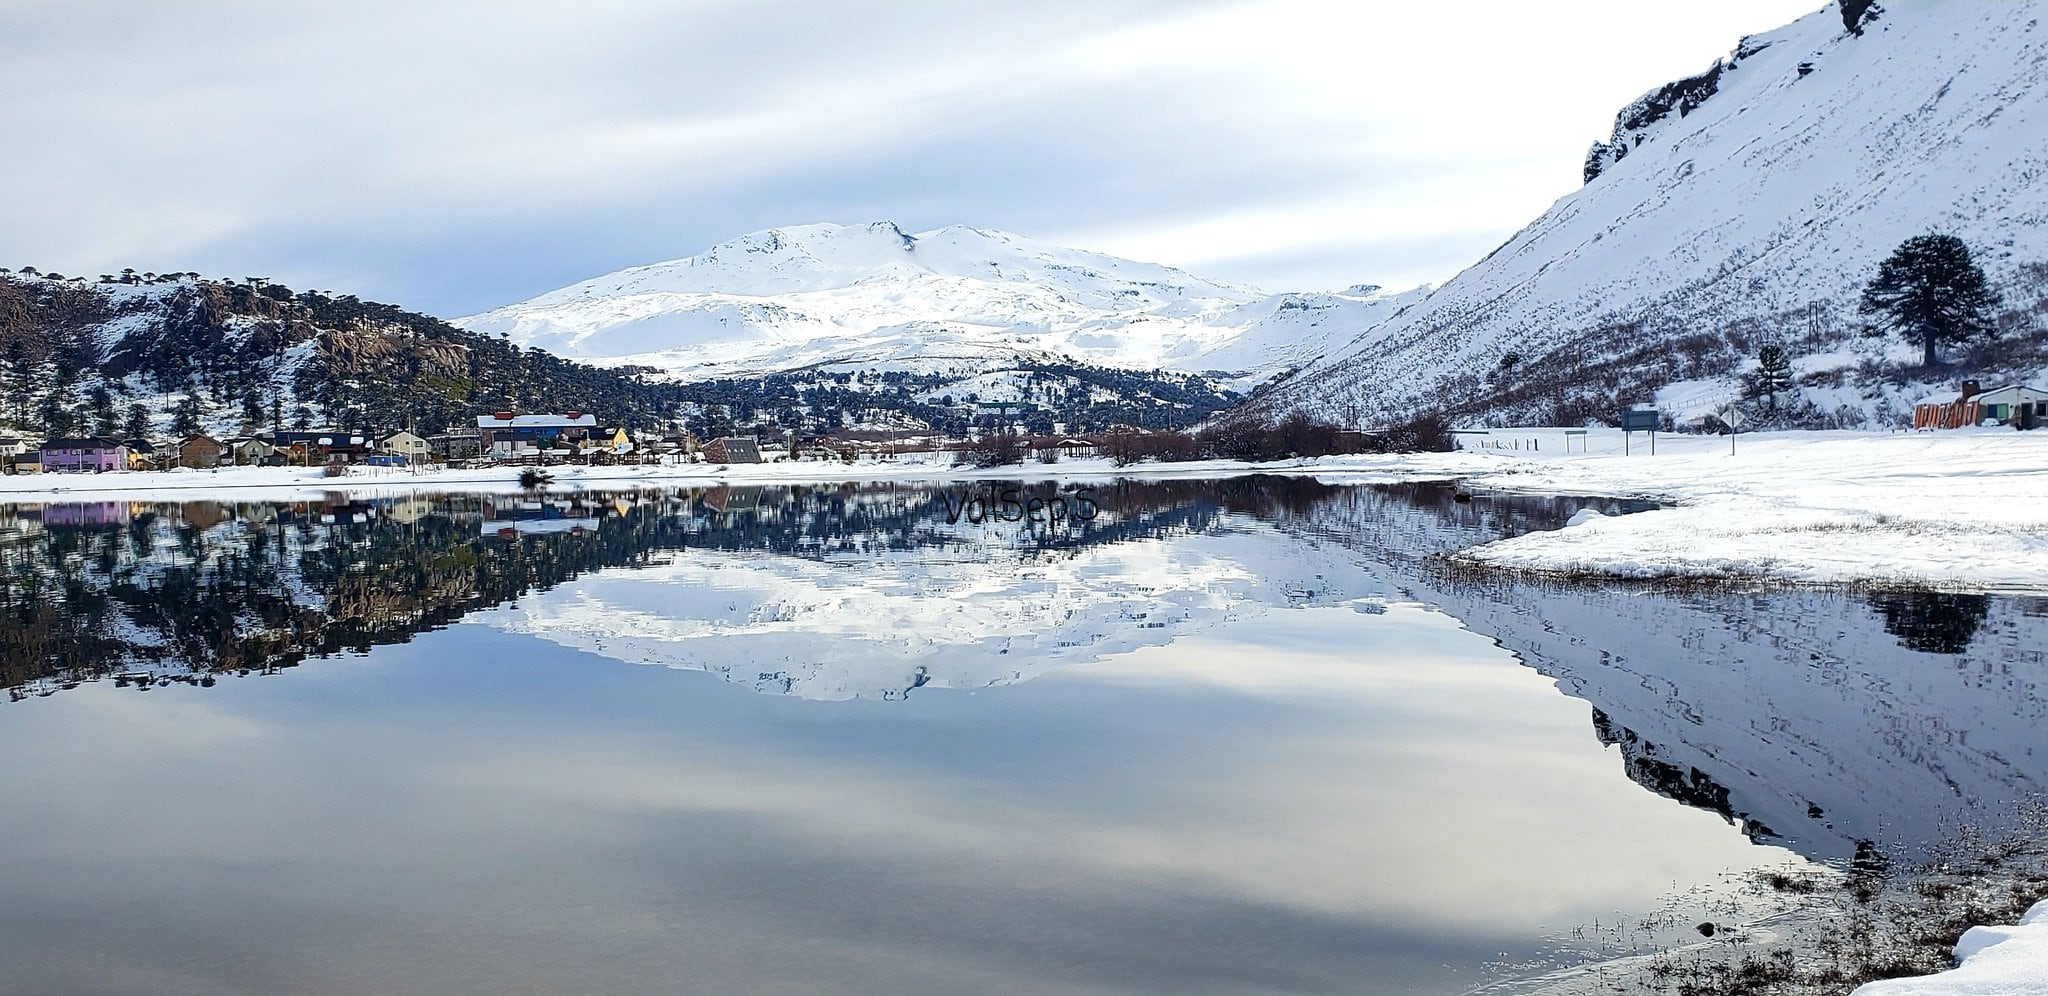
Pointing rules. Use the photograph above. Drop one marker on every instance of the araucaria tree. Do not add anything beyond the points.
(1772, 376)
(1930, 291)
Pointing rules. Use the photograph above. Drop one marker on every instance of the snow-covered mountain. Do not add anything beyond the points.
(1745, 205)
(812, 295)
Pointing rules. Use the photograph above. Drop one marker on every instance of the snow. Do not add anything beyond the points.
(808, 295)
(1991, 961)
(1959, 510)
(1764, 209)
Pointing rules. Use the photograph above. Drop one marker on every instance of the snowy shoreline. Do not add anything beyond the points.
(1964, 510)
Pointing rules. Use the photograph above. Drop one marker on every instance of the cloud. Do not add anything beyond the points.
(458, 156)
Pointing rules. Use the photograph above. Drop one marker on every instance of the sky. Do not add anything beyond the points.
(456, 156)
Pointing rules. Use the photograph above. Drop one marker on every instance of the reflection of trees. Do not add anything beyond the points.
(191, 590)
(204, 587)
(1932, 622)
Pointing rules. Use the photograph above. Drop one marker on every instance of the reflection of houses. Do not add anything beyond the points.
(515, 516)
(86, 515)
(2016, 405)
(88, 454)
(205, 514)
(505, 436)
(733, 449)
(724, 499)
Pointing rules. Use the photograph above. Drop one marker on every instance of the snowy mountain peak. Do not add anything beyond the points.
(850, 295)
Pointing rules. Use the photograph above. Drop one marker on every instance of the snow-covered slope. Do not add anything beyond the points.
(1746, 205)
(796, 297)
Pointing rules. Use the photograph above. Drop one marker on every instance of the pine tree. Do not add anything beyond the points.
(135, 424)
(185, 417)
(100, 401)
(1931, 291)
(1772, 376)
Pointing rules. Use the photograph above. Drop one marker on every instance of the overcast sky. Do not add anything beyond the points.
(455, 156)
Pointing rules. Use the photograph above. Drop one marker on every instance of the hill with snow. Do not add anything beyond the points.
(1747, 205)
(957, 298)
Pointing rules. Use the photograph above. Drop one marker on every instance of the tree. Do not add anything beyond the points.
(100, 401)
(1931, 291)
(185, 417)
(57, 417)
(135, 424)
(1773, 375)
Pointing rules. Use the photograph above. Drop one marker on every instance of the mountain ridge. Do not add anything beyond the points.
(1741, 206)
(822, 294)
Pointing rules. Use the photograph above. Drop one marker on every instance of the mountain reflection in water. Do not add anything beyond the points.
(1816, 720)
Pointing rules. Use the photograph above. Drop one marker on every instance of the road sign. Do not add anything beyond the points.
(1640, 420)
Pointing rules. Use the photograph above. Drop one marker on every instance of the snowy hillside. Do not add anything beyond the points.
(799, 297)
(1747, 205)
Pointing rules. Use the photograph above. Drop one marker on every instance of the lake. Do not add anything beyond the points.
(1250, 735)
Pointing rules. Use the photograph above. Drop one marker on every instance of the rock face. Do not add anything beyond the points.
(1748, 204)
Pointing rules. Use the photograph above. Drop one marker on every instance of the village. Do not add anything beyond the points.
(569, 438)
(579, 438)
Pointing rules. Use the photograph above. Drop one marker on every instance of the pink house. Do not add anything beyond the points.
(94, 454)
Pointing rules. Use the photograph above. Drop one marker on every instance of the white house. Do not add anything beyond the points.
(2014, 404)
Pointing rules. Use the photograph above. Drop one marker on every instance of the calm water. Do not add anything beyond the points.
(1232, 736)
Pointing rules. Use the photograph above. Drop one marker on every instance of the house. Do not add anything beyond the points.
(86, 454)
(456, 444)
(614, 438)
(414, 448)
(2015, 404)
(505, 435)
(319, 446)
(1066, 448)
(14, 453)
(733, 449)
(246, 451)
(141, 454)
(201, 452)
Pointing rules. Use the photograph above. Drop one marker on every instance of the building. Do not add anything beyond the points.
(200, 452)
(733, 449)
(414, 448)
(456, 444)
(319, 446)
(506, 436)
(12, 451)
(86, 454)
(2016, 405)
(142, 454)
(615, 438)
(249, 451)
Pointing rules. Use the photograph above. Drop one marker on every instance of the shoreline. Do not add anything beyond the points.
(1962, 511)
